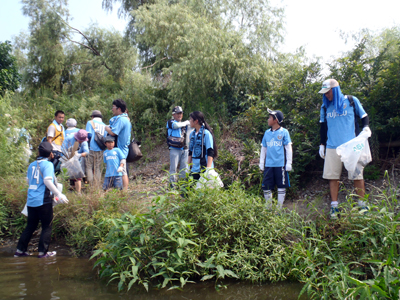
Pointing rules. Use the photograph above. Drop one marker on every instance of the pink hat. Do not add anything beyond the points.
(81, 135)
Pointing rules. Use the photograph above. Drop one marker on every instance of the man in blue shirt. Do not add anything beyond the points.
(276, 158)
(337, 117)
(41, 191)
(177, 128)
(95, 157)
(120, 126)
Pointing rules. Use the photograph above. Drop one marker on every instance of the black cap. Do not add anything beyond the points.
(109, 138)
(177, 109)
(277, 114)
(45, 149)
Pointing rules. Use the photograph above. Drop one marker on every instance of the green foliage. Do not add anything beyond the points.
(13, 149)
(45, 50)
(370, 72)
(372, 172)
(9, 76)
(213, 234)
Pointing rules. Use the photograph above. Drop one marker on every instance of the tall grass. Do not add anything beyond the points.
(217, 233)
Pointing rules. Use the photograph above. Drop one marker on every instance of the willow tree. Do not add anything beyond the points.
(201, 56)
(45, 62)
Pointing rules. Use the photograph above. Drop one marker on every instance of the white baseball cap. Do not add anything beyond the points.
(327, 85)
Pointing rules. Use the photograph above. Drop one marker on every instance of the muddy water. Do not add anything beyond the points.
(64, 277)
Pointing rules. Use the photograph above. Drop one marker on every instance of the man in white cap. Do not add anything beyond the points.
(338, 126)
(178, 153)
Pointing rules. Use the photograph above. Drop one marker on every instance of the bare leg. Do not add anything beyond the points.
(334, 188)
(125, 182)
(78, 186)
(360, 188)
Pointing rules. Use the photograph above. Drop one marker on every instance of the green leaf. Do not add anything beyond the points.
(206, 277)
(180, 252)
(221, 271)
(131, 283)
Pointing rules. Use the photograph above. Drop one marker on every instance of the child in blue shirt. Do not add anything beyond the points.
(276, 158)
(115, 161)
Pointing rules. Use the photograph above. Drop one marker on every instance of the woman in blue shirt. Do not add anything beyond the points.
(202, 147)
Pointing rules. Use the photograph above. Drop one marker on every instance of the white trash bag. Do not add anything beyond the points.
(355, 154)
(73, 167)
(210, 180)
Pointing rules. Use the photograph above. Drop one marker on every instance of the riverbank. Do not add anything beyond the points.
(214, 235)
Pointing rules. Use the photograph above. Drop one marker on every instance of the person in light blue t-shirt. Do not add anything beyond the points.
(338, 119)
(114, 160)
(71, 127)
(41, 191)
(202, 146)
(120, 126)
(177, 128)
(276, 158)
(95, 158)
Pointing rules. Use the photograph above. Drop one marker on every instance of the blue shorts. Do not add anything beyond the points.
(112, 182)
(275, 176)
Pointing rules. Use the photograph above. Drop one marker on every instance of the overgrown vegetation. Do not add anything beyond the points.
(218, 233)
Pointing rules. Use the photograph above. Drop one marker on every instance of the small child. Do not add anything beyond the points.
(115, 161)
(276, 158)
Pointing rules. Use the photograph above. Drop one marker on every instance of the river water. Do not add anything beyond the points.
(65, 277)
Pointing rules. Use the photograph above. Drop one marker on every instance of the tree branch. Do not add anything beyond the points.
(153, 64)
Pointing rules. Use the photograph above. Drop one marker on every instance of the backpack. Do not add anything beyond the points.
(98, 138)
(324, 132)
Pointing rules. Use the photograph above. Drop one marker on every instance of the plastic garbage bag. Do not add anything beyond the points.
(355, 154)
(83, 165)
(74, 168)
(209, 179)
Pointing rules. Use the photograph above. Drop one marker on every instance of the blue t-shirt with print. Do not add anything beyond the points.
(121, 126)
(38, 193)
(174, 132)
(275, 141)
(341, 128)
(195, 147)
(99, 127)
(112, 159)
(71, 131)
(69, 142)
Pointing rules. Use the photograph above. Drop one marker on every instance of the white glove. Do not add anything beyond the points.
(62, 199)
(367, 130)
(120, 169)
(78, 155)
(288, 167)
(322, 151)
(263, 154)
(187, 123)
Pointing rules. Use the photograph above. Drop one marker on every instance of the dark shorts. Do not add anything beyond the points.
(112, 182)
(196, 176)
(275, 176)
